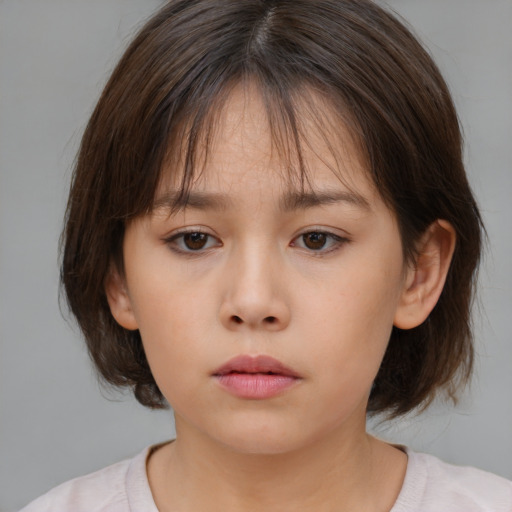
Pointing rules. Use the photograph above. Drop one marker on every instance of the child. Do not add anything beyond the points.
(270, 229)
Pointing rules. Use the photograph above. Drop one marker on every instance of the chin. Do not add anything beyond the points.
(265, 446)
(258, 438)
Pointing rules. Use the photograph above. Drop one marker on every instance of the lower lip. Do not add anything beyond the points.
(256, 386)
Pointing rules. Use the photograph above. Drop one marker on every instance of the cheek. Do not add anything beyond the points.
(169, 321)
(349, 355)
(352, 324)
(358, 303)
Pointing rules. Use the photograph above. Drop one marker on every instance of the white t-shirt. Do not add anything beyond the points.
(430, 485)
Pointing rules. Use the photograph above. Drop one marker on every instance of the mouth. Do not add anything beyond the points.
(256, 378)
(247, 364)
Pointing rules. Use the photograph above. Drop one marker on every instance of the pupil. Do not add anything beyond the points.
(195, 241)
(315, 240)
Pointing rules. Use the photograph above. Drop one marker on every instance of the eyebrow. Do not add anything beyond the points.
(303, 200)
(291, 201)
(177, 201)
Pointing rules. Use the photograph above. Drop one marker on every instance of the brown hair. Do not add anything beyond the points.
(374, 73)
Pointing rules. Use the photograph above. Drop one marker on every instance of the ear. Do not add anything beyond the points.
(425, 280)
(119, 299)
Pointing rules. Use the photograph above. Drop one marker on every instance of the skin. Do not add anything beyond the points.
(262, 285)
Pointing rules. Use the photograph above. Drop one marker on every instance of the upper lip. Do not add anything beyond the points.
(255, 364)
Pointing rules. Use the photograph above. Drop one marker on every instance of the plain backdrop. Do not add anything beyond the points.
(56, 422)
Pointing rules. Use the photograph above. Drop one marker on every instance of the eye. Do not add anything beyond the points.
(191, 241)
(319, 241)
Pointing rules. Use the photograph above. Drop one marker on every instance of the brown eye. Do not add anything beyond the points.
(314, 240)
(190, 242)
(319, 243)
(195, 241)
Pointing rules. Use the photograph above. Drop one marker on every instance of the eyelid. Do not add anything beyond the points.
(170, 240)
(338, 240)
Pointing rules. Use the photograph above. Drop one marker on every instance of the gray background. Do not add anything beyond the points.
(56, 422)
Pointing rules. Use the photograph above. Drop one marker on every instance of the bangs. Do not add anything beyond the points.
(292, 114)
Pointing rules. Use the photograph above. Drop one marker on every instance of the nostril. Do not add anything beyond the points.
(268, 319)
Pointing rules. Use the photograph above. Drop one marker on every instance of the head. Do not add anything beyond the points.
(348, 72)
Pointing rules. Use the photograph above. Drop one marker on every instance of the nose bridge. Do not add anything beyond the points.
(255, 296)
(253, 268)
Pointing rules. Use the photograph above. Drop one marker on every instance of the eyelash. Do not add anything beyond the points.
(177, 239)
(333, 241)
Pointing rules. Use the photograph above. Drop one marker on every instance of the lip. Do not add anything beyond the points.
(255, 377)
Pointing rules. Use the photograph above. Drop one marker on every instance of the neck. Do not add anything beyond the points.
(339, 471)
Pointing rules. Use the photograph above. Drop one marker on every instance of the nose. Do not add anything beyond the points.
(254, 296)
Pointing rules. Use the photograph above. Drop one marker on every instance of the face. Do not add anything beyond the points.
(265, 310)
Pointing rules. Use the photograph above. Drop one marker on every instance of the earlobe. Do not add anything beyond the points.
(424, 282)
(119, 300)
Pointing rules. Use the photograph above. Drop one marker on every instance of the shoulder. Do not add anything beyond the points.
(116, 488)
(435, 485)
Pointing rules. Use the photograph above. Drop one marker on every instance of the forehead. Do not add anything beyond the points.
(251, 141)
